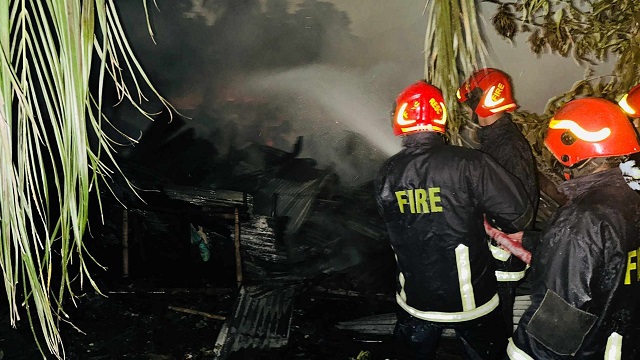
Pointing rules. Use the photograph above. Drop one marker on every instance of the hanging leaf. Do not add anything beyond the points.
(557, 16)
(47, 115)
(454, 48)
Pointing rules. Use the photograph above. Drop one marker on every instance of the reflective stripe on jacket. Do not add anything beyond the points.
(585, 273)
(432, 197)
(509, 148)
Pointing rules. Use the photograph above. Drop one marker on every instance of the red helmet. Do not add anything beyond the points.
(590, 128)
(419, 107)
(487, 92)
(630, 102)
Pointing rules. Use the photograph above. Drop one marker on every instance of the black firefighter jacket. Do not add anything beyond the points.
(509, 148)
(432, 197)
(585, 280)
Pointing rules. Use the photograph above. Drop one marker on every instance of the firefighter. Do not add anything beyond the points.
(584, 277)
(432, 197)
(630, 102)
(487, 94)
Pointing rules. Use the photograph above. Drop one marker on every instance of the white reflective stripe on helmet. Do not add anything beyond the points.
(614, 347)
(489, 102)
(502, 108)
(579, 131)
(625, 105)
(515, 353)
(437, 316)
(498, 253)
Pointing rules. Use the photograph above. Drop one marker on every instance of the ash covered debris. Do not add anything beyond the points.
(302, 230)
(293, 212)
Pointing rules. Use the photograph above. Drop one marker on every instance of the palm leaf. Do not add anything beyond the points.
(454, 48)
(48, 169)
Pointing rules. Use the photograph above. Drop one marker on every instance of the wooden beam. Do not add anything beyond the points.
(237, 248)
(125, 243)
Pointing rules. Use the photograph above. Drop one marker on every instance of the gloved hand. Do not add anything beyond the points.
(510, 242)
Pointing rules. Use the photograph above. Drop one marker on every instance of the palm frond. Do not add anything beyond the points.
(454, 47)
(48, 168)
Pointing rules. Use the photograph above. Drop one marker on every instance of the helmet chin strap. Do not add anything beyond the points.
(582, 169)
(473, 101)
(473, 105)
(567, 174)
(588, 167)
(572, 172)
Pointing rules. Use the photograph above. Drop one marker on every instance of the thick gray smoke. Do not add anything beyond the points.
(268, 71)
(327, 99)
(276, 69)
(345, 124)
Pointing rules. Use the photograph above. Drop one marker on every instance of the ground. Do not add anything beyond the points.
(143, 316)
(139, 321)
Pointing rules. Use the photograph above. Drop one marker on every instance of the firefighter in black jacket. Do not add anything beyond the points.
(488, 95)
(584, 274)
(432, 197)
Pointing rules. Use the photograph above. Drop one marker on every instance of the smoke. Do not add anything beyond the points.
(198, 9)
(329, 100)
(345, 122)
(267, 71)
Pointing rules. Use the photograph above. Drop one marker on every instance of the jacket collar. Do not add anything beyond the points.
(575, 187)
(496, 129)
(422, 139)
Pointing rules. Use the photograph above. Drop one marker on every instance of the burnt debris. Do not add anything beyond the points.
(257, 219)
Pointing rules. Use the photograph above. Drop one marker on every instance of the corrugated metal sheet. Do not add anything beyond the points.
(208, 197)
(258, 239)
(294, 199)
(261, 319)
(263, 256)
(521, 304)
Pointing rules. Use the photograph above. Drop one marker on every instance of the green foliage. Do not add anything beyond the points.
(49, 50)
(454, 47)
(590, 32)
(363, 355)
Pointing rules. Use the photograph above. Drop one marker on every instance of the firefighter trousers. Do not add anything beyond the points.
(483, 338)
